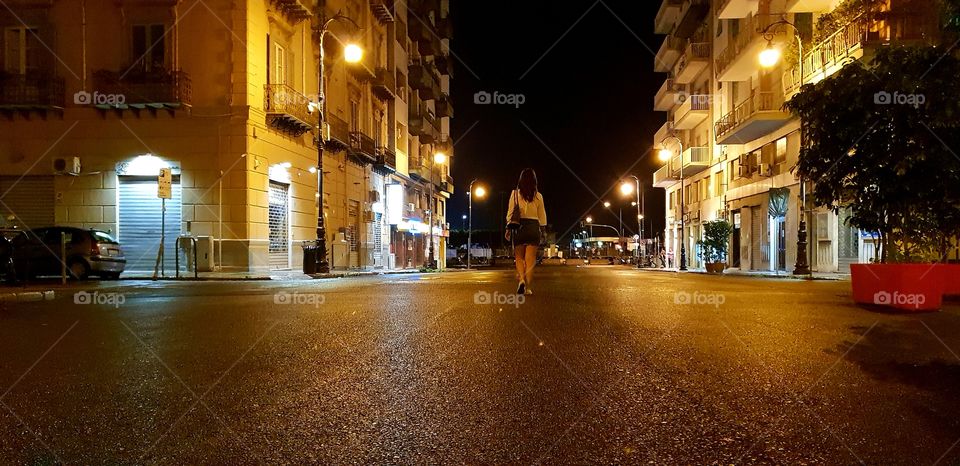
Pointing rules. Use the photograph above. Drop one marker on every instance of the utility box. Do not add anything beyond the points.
(205, 262)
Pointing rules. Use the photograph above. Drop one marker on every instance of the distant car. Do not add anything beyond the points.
(89, 253)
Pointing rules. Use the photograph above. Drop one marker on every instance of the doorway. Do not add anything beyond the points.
(279, 220)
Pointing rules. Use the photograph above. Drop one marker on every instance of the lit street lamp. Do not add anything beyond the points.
(769, 58)
(665, 155)
(352, 53)
(626, 188)
(479, 193)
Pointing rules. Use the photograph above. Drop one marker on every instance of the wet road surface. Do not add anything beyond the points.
(601, 365)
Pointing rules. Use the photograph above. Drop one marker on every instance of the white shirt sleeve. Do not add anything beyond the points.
(542, 214)
(511, 206)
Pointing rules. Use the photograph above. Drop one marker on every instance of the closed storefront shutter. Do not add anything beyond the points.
(140, 220)
(757, 239)
(29, 199)
(279, 226)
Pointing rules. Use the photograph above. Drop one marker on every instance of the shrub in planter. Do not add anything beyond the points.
(890, 165)
(715, 244)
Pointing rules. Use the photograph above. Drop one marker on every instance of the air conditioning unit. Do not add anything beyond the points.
(374, 196)
(766, 169)
(67, 166)
(368, 216)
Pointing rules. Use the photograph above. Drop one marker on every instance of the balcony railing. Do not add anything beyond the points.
(384, 86)
(363, 146)
(668, 54)
(692, 62)
(757, 104)
(750, 33)
(338, 133)
(444, 107)
(288, 110)
(383, 10)
(692, 111)
(692, 14)
(169, 89)
(664, 177)
(668, 95)
(20, 92)
(693, 160)
(386, 159)
(850, 41)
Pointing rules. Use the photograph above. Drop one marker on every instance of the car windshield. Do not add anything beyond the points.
(102, 237)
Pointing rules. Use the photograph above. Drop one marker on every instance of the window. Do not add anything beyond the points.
(781, 150)
(21, 54)
(378, 130)
(354, 115)
(149, 47)
(718, 184)
(279, 71)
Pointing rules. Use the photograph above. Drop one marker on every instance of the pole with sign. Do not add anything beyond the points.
(164, 192)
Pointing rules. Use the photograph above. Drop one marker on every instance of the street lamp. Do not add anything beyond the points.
(626, 188)
(665, 156)
(769, 58)
(440, 158)
(480, 192)
(352, 53)
(463, 222)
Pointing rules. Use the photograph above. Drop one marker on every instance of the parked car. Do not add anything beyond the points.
(88, 253)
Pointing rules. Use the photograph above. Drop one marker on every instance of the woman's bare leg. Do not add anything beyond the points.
(531, 262)
(520, 265)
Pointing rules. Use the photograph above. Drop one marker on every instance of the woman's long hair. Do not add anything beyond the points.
(528, 184)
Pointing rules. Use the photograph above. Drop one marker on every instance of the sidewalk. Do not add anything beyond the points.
(279, 275)
(761, 274)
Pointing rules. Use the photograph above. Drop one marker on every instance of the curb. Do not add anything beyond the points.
(748, 275)
(27, 296)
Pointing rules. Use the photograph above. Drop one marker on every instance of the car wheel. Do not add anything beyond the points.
(79, 270)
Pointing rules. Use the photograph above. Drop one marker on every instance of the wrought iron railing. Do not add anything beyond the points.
(757, 102)
(145, 87)
(285, 100)
(38, 91)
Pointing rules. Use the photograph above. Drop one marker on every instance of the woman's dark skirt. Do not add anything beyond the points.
(528, 233)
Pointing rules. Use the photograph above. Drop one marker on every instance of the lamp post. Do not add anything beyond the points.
(665, 156)
(470, 193)
(352, 54)
(625, 188)
(440, 158)
(769, 58)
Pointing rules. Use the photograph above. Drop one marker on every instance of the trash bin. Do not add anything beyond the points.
(310, 251)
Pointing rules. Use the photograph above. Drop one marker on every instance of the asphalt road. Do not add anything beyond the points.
(601, 365)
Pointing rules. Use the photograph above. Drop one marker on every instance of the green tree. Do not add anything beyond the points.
(882, 139)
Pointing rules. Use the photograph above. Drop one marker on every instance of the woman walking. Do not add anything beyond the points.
(526, 218)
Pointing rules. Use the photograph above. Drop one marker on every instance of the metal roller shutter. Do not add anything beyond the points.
(279, 226)
(140, 219)
(756, 238)
(30, 199)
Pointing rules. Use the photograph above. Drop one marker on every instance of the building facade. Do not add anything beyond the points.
(738, 143)
(97, 95)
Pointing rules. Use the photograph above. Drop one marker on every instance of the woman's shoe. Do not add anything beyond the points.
(521, 288)
(528, 291)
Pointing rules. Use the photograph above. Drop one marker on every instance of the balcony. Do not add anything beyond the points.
(808, 6)
(423, 79)
(667, 16)
(295, 10)
(738, 62)
(447, 184)
(694, 60)
(693, 160)
(692, 15)
(444, 64)
(668, 96)
(857, 41)
(26, 93)
(144, 90)
(734, 9)
(663, 133)
(337, 137)
(424, 34)
(365, 69)
(418, 169)
(664, 177)
(667, 56)
(363, 147)
(693, 111)
(759, 115)
(383, 10)
(444, 107)
(445, 28)
(288, 110)
(423, 124)
(384, 86)
(386, 161)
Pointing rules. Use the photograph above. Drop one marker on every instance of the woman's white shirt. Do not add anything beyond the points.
(530, 210)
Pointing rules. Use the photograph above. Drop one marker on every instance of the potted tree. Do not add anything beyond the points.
(715, 244)
(877, 140)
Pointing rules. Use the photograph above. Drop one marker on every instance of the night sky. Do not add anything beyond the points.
(585, 69)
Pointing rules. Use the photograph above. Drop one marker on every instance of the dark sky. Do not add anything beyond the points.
(589, 84)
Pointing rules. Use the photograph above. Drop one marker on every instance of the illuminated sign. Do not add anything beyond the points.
(394, 204)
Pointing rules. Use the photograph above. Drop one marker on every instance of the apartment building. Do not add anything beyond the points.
(738, 144)
(97, 95)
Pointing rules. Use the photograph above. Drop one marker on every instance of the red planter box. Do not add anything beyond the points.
(910, 287)
(951, 279)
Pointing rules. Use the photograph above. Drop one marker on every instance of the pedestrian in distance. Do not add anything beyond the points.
(526, 220)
